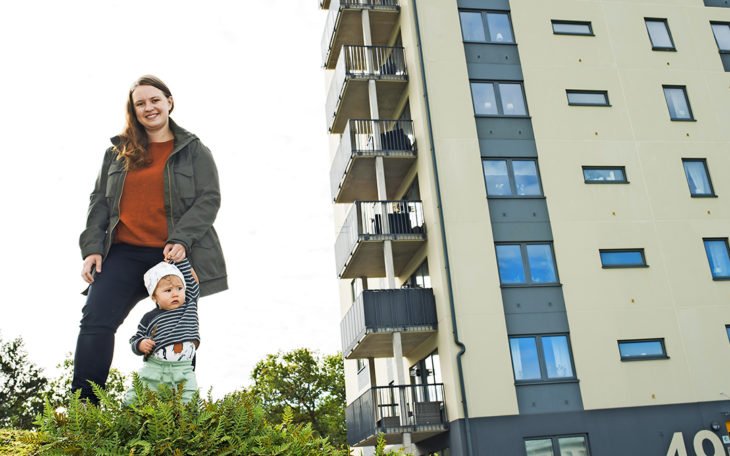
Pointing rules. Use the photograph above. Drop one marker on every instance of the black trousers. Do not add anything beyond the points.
(115, 291)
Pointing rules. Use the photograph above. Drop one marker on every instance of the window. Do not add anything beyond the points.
(718, 257)
(572, 445)
(511, 177)
(659, 35)
(360, 364)
(541, 358)
(721, 30)
(727, 330)
(486, 27)
(420, 277)
(632, 350)
(678, 103)
(572, 28)
(587, 98)
(622, 258)
(356, 288)
(498, 99)
(604, 175)
(526, 264)
(698, 178)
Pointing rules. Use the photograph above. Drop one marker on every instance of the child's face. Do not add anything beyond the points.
(170, 293)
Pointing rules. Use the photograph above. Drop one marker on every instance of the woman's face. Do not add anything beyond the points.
(152, 107)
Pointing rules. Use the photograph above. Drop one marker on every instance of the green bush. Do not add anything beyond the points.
(14, 442)
(161, 424)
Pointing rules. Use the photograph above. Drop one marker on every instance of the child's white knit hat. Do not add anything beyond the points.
(157, 272)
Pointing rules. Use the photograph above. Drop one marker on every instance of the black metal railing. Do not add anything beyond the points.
(396, 409)
(401, 309)
(371, 137)
(373, 220)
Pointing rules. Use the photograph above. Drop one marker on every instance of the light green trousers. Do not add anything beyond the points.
(156, 372)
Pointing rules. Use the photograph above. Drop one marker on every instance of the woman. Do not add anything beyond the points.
(155, 198)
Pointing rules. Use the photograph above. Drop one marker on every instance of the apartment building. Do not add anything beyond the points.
(532, 202)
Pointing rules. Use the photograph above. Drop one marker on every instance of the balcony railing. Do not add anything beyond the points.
(368, 326)
(371, 138)
(338, 30)
(374, 222)
(382, 63)
(418, 409)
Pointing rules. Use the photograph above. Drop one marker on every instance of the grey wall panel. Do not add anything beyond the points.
(485, 4)
(635, 431)
(521, 230)
(494, 62)
(552, 397)
(725, 60)
(508, 148)
(536, 323)
(491, 72)
(519, 220)
(504, 128)
(533, 299)
(718, 3)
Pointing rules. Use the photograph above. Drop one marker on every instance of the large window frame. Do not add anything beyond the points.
(556, 443)
(723, 43)
(543, 349)
(592, 97)
(702, 175)
(528, 275)
(626, 344)
(573, 28)
(495, 93)
(608, 254)
(675, 113)
(615, 175)
(719, 261)
(514, 180)
(663, 29)
(490, 32)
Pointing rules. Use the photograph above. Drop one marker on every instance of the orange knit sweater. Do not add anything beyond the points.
(142, 217)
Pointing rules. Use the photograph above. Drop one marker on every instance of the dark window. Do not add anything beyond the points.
(718, 3)
(678, 103)
(572, 445)
(360, 364)
(698, 178)
(718, 255)
(587, 98)
(659, 34)
(498, 99)
(486, 27)
(631, 350)
(727, 330)
(721, 30)
(420, 277)
(541, 358)
(526, 264)
(511, 177)
(604, 175)
(356, 288)
(623, 258)
(572, 28)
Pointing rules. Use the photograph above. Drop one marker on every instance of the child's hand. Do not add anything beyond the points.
(146, 346)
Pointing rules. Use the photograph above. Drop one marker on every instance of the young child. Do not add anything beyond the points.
(168, 335)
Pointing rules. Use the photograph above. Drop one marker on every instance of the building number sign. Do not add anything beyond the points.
(678, 448)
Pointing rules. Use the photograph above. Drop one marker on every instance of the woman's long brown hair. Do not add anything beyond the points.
(132, 147)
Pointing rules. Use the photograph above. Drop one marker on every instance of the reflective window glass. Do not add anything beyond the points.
(509, 261)
(639, 349)
(718, 257)
(541, 447)
(573, 446)
(497, 178)
(677, 103)
(572, 28)
(604, 175)
(527, 183)
(622, 258)
(587, 98)
(485, 102)
(500, 30)
(513, 101)
(698, 178)
(557, 356)
(472, 27)
(524, 358)
(659, 34)
(542, 267)
(722, 36)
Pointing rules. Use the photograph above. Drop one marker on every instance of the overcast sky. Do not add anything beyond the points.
(246, 78)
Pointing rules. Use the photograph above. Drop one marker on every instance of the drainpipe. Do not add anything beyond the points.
(454, 328)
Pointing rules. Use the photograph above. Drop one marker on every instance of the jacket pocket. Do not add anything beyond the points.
(114, 180)
(185, 183)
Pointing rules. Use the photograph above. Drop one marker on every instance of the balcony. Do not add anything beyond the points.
(368, 327)
(352, 175)
(359, 246)
(348, 96)
(344, 25)
(393, 410)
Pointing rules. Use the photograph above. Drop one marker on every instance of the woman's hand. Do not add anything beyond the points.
(90, 262)
(146, 346)
(174, 252)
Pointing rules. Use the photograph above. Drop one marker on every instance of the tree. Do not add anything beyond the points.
(22, 386)
(312, 386)
(59, 388)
